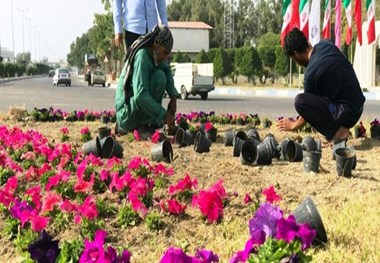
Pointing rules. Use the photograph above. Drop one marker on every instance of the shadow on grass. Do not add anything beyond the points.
(368, 144)
(343, 240)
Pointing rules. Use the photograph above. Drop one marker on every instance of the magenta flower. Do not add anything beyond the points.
(185, 184)
(172, 206)
(94, 251)
(64, 130)
(17, 209)
(271, 195)
(155, 137)
(288, 229)
(176, 255)
(38, 222)
(247, 199)
(208, 126)
(207, 256)
(210, 204)
(88, 208)
(84, 130)
(136, 135)
(50, 200)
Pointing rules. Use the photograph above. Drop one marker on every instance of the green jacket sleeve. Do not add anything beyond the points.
(142, 67)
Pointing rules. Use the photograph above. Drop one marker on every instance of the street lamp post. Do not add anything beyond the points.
(30, 36)
(13, 35)
(23, 39)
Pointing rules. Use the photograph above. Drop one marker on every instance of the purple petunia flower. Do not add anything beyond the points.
(175, 255)
(265, 219)
(44, 249)
(17, 209)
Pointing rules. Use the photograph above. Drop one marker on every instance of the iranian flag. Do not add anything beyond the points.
(338, 19)
(358, 19)
(315, 22)
(347, 9)
(304, 17)
(326, 31)
(370, 6)
(287, 15)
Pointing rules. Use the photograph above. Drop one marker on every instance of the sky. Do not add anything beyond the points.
(58, 23)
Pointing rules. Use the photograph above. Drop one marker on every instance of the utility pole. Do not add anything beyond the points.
(23, 39)
(13, 34)
(229, 24)
(30, 36)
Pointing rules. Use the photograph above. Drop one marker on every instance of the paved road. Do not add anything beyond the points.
(40, 93)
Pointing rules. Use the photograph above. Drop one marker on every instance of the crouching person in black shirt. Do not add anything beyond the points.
(332, 101)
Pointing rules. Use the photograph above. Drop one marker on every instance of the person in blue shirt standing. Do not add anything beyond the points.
(332, 101)
(138, 17)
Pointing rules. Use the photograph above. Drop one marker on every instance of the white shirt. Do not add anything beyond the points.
(139, 16)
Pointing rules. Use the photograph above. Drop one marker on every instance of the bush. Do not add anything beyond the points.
(30, 70)
(202, 57)
(10, 70)
(2, 70)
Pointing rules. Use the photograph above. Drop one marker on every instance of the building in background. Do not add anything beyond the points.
(190, 37)
(7, 55)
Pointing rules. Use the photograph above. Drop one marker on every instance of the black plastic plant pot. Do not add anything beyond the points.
(264, 154)
(104, 119)
(294, 152)
(309, 144)
(238, 144)
(228, 138)
(107, 144)
(273, 144)
(248, 154)
(311, 160)
(308, 213)
(104, 132)
(117, 149)
(93, 147)
(287, 147)
(342, 144)
(162, 151)
(201, 143)
(242, 135)
(211, 134)
(344, 161)
(253, 134)
(182, 138)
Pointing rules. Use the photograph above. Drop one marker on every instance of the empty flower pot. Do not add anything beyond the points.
(93, 147)
(264, 154)
(104, 132)
(238, 144)
(282, 147)
(111, 147)
(342, 144)
(294, 152)
(211, 134)
(344, 161)
(248, 154)
(308, 213)
(162, 151)
(201, 143)
(228, 138)
(309, 144)
(272, 142)
(311, 160)
(253, 134)
(242, 135)
(183, 138)
(375, 131)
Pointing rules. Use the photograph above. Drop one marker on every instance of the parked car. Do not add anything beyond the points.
(191, 78)
(62, 76)
(51, 73)
(98, 77)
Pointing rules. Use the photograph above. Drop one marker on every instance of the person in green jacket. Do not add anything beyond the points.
(139, 101)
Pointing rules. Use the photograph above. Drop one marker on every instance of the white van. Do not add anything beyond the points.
(191, 78)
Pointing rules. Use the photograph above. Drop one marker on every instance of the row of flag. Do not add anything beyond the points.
(306, 15)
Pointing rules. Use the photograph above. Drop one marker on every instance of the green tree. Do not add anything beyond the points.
(2, 70)
(222, 65)
(181, 57)
(282, 63)
(250, 64)
(202, 57)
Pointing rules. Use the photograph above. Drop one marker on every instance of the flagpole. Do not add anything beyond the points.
(290, 77)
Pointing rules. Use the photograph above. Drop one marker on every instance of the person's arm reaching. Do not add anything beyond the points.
(289, 125)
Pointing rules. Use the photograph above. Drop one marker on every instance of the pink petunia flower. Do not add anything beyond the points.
(84, 130)
(155, 137)
(247, 199)
(136, 135)
(270, 195)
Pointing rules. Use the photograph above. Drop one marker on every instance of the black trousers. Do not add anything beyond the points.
(130, 37)
(325, 116)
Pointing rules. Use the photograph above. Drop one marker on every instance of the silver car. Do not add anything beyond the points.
(61, 76)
